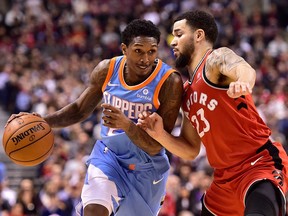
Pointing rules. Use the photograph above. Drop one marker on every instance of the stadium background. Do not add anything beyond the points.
(49, 47)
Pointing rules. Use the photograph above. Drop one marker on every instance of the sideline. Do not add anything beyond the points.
(3, 118)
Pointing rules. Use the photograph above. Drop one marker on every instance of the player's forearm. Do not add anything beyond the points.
(245, 73)
(178, 145)
(66, 116)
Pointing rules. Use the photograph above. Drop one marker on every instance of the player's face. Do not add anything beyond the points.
(182, 43)
(141, 54)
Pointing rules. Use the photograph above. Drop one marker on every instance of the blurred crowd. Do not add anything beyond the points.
(49, 47)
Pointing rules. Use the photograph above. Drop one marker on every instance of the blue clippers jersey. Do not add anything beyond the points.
(132, 100)
(116, 155)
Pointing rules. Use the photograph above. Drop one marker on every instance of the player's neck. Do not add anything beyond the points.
(197, 58)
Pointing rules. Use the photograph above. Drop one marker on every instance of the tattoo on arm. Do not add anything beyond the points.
(170, 97)
(223, 60)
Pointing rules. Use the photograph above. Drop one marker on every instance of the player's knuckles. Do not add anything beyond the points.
(36, 114)
(244, 86)
(105, 111)
(10, 118)
(22, 113)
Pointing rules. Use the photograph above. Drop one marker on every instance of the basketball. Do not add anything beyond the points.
(28, 140)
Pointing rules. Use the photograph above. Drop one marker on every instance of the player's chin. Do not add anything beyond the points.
(144, 70)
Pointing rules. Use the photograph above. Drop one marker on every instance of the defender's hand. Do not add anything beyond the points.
(237, 89)
(151, 123)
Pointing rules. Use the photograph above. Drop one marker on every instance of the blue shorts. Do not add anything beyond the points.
(140, 187)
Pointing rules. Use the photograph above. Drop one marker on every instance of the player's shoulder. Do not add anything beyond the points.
(221, 51)
(175, 77)
(173, 81)
(104, 64)
(220, 56)
(100, 71)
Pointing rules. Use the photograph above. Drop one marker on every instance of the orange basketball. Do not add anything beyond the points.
(28, 140)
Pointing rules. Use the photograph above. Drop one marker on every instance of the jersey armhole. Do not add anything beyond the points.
(156, 101)
(110, 72)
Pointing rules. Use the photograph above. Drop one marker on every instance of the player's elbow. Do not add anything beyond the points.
(191, 155)
(191, 146)
(191, 152)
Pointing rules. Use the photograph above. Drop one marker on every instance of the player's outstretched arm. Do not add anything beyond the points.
(186, 145)
(82, 107)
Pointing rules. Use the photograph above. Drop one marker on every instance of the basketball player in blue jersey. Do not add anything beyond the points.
(127, 169)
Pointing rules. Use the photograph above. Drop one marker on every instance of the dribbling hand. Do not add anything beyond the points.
(13, 116)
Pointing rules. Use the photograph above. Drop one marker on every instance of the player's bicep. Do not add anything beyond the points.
(225, 61)
(170, 98)
(92, 95)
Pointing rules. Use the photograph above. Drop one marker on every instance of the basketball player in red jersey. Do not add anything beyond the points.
(250, 175)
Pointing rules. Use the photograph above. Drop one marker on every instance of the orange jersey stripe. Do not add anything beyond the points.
(110, 72)
(156, 101)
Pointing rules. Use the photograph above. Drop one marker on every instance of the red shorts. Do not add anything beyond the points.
(226, 195)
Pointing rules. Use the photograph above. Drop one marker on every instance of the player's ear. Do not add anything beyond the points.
(200, 34)
(124, 48)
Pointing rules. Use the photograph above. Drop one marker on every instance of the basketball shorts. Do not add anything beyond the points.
(121, 190)
(98, 189)
(227, 193)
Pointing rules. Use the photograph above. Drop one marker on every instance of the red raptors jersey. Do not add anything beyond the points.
(230, 128)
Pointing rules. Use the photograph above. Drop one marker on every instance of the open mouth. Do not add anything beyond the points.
(143, 67)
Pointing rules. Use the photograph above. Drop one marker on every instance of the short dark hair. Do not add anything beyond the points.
(198, 19)
(140, 27)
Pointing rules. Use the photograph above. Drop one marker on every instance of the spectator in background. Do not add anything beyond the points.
(277, 46)
(52, 59)
(17, 210)
(4, 79)
(15, 16)
(28, 198)
(5, 207)
(6, 192)
(54, 200)
(184, 202)
(172, 190)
